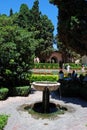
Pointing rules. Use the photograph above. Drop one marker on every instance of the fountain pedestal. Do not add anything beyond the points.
(45, 101)
(46, 87)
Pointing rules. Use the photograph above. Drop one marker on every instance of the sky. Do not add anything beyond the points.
(44, 6)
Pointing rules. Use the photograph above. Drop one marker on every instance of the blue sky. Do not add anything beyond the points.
(45, 7)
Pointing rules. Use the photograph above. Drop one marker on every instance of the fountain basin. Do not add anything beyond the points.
(35, 109)
(40, 85)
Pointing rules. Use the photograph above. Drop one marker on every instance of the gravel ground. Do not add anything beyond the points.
(21, 120)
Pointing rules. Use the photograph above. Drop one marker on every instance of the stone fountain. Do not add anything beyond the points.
(46, 87)
(45, 108)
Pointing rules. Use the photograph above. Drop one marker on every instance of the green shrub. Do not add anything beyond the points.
(70, 88)
(74, 66)
(3, 121)
(55, 65)
(52, 78)
(3, 93)
(21, 91)
(46, 65)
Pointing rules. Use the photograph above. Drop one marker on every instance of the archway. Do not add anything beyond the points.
(54, 60)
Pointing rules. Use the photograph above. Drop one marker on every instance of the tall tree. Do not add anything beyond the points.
(23, 16)
(41, 27)
(72, 24)
(35, 12)
(11, 12)
(46, 34)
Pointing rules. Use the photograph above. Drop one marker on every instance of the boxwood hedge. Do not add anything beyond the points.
(37, 77)
(21, 90)
(3, 93)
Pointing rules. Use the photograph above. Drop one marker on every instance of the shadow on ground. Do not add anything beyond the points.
(74, 100)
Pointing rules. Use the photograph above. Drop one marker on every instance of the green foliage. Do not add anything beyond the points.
(21, 91)
(16, 44)
(35, 11)
(55, 65)
(5, 21)
(3, 93)
(72, 24)
(23, 15)
(52, 78)
(22, 36)
(46, 65)
(11, 12)
(46, 33)
(3, 121)
(74, 66)
(41, 27)
(74, 21)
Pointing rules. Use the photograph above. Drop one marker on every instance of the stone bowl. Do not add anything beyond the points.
(41, 85)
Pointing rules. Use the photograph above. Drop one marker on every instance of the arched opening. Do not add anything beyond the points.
(54, 60)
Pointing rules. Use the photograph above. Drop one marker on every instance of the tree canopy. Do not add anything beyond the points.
(34, 21)
(23, 36)
(72, 24)
(16, 52)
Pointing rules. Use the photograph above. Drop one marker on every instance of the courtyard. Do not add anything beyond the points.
(27, 33)
(75, 119)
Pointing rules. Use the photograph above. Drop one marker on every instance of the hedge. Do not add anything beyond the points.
(46, 65)
(37, 77)
(21, 90)
(3, 93)
(55, 65)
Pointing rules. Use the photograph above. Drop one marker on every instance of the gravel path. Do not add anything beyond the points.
(21, 120)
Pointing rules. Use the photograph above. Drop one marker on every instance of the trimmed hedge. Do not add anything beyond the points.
(21, 90)
(46, 65)
(74, 66)
(37, 77)
(55, 65)
(3, 93)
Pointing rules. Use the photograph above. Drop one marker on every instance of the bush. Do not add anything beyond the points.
(70, 88)
(3, 121)
(52, 78)
(74, 66)
(46, 65)
(55, 65)
(21, 91)
(3, 93)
